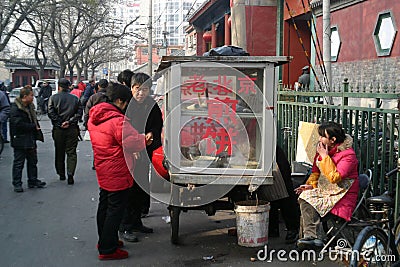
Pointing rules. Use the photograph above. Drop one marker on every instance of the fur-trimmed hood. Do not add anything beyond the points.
(347, 143)
(30, 109)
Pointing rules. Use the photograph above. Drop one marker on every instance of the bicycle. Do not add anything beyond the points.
(378, 243)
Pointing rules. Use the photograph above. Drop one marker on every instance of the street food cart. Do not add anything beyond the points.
(220, 130)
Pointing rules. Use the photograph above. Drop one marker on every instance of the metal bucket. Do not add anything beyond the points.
(252, 219)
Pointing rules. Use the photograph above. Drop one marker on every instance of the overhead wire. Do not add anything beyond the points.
(318, 51)
(187, 15)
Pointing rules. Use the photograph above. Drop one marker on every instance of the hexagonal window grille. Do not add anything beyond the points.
(384, 33)
(335, 43)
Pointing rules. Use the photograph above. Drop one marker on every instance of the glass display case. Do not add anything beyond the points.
(219, 118)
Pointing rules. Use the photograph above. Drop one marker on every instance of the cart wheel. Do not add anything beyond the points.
(174, 214)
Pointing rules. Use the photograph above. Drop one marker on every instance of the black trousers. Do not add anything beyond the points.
(18, 164)
(109, 215)
(65, 143)
(289, 206)
(139, 198)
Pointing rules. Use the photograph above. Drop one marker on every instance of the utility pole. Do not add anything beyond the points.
(150, 62)
(326, 24)
(163, 50)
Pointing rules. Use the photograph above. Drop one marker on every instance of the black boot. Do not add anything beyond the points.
(70, 179)
(36, 183)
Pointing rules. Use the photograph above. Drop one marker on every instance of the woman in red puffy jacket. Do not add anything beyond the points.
(113, 140)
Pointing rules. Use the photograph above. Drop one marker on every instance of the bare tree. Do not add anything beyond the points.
(12, 14)
(79, 34)
(77, 25)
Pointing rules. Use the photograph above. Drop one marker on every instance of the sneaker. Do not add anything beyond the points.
(18, 189)
(36, 183)
(291, 236)
(62, 178)
(117, 255)
(70, 179)
(309, 243)
(142, 229)
(120, 244)
(128, 236)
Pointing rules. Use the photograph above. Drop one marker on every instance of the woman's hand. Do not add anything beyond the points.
(302, 188)
(322, 149)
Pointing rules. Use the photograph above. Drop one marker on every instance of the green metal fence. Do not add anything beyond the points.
(359, 109)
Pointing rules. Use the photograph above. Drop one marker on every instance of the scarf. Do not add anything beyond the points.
(30, 110)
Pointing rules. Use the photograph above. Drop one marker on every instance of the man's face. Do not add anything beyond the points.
(28, 98)
(140, 93)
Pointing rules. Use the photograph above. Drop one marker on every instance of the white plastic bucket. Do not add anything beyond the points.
(252, 219)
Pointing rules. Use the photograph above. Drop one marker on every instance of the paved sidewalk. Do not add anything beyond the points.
(56, 226)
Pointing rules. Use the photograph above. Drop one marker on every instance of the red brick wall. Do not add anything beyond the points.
(261, 30)
(356, 25)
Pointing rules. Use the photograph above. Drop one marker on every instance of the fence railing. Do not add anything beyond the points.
(363, 112)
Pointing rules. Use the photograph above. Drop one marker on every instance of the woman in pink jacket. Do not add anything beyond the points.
(113, 140)
(333, 185)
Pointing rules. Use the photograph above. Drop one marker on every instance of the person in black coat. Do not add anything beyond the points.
(43, 96)
(145, 116)
(65, 110)
(25, 130)
(288, 206)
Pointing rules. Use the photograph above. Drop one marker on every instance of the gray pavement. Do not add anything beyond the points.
(56, 226)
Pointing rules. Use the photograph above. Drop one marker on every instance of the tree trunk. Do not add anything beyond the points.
(85, 72)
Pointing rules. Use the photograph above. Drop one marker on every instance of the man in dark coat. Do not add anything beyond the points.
(146, 117)
(304, 79)
(64, 112)
(89, 91)
(95, 99)
(24, 129)
(43, 96)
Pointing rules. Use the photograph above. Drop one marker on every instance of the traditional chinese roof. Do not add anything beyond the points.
(29, 63)
(210, 12)
(276, 60)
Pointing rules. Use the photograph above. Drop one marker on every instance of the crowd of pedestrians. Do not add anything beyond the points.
(125, 125)
(122, 201)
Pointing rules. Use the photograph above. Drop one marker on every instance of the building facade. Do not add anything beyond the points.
(364, 43)
(170, 19)
(21, 74)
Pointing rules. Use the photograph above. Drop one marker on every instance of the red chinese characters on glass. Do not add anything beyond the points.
(224, 139)
(223, 85)
(247, 85)
(222, 110)
(194, 84)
